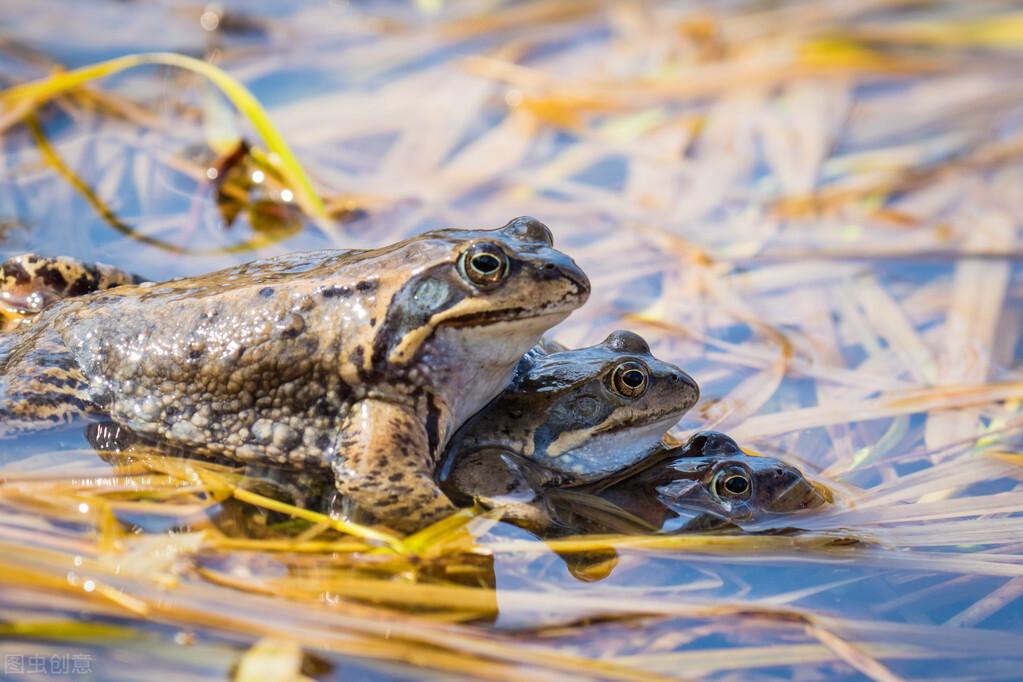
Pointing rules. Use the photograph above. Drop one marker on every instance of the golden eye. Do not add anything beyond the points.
(733, 482)
(483, 264)
(629, 379)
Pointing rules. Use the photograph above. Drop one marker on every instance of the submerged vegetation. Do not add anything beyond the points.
(813, 208)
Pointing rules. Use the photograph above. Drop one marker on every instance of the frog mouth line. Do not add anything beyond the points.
(506, 315)
(635, 421)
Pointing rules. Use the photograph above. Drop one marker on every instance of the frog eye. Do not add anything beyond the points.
(629, 379)
(733, 483)
(483, 264)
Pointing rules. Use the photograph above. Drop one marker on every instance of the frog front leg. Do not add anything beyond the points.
(498, 479)
(383, 463)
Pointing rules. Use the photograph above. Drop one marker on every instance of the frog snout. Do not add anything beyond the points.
(794, 492)
(565, 268)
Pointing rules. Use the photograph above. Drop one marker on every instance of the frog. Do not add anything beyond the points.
(30, 282)
(361, 363)
(569, 417)
(706, 484)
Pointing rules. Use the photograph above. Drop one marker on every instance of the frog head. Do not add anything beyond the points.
(489, 292)
(715, 482)
(464, 307)
(584, 414)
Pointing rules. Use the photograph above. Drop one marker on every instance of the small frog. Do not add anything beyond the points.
(568, 418)
(707, 484)
(362, 361)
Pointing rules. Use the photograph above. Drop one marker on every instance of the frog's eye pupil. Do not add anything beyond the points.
(736, 485)
(629, 379)
(733, 482)
(485, 263)
(633, 378)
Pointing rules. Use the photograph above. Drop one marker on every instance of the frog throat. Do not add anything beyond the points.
(596, 451)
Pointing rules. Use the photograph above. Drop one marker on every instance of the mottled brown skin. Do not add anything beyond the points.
(29, 283)
(707, 484)
(566, 419)
(364, 361)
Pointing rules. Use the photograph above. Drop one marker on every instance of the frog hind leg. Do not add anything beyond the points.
(29, 283)
(41, 386)
(383, 463)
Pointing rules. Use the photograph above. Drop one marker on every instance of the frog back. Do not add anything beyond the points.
(256, 360)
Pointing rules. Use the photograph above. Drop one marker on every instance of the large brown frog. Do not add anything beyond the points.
(363, 361)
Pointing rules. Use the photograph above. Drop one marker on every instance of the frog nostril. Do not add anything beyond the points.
(549, 267)
(674, 377)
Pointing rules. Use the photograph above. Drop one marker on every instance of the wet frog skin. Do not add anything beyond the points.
(363, 361)
(568, 417)
(707, 484)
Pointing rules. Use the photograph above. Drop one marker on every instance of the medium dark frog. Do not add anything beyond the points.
(568, 418)
(707, 484)
(362, 361)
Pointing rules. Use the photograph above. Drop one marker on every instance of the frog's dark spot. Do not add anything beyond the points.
(394, 478)
(195, 354)
(293, 326)
(403, 441)
(61, 400)
(266, 292)
(367, 285)
(17, 271)
(335, 291)
(84, 285)
(52, 277)
(58, 381)
(382, 461)
(432, 425)
(357, 356)
(323, 408)
(170, 410)
(323, 442)
(372, 321)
